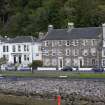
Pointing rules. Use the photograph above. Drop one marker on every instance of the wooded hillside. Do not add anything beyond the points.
(28, 17)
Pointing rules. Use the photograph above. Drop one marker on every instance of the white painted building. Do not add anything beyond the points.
(21, 49)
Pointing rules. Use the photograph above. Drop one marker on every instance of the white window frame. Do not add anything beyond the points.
(13, 48)
(76, 52)
(85, 52)
(93, 42)
(93, 53)
(85, 42)
(54, 52)
(67, 43)
(46, 43)
(76, 42)
(19, 48)
(25, 47)
(67, 52)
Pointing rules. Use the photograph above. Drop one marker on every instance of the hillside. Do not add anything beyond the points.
(28, 17)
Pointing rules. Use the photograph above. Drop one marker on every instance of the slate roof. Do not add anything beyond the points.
(2, 39)
(19, 39)
(75, 33)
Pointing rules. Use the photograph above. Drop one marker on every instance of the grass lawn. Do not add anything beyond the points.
(53, 74)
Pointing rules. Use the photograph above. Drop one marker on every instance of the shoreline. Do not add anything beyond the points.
(46, 89)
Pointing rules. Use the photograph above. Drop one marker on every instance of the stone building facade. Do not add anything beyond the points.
(72, 47)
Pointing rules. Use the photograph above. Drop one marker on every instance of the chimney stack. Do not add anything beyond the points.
(70, 26)
(50, 28)
(41, 35)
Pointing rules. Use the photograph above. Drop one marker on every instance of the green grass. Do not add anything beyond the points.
(38, 74)
(92, 75)
(52, 74)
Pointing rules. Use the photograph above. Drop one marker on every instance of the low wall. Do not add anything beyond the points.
(54, 69)
(46, 69)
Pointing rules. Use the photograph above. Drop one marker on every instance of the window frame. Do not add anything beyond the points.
(67, 43)
(13, 48)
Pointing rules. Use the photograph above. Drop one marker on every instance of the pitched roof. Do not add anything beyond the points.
(75, 33)
(3, 39)
(21, 39)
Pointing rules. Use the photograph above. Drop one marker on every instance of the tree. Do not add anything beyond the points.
(35, 64)
(3, 60)
(29, 17)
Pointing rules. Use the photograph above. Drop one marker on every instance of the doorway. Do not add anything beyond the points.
(20, 59)
(60, 62)
(80, 62)
(15, 59)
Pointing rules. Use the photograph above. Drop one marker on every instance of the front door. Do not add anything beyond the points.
(14, 59)
(80, 62)
(60, 62)
(19, 58)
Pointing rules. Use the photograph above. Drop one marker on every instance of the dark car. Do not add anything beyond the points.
(98, 69)
(67, 68)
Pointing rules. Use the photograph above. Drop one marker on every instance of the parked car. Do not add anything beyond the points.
(24, 68)
(10, 67)
(96, 69)
(67, 68)
(3, 67)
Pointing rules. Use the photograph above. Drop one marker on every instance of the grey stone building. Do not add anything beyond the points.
(72, 46)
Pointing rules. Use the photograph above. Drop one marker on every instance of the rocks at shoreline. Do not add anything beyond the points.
(73, 92)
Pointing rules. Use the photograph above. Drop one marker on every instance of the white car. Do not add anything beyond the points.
(24, 68)
(3, 67)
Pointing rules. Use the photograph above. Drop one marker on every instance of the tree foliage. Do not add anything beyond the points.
(3, 60)
(36, 63)
(28, 17)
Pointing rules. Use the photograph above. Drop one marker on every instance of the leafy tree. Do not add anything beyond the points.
(35, 64)
(3, 60)
(29, 17)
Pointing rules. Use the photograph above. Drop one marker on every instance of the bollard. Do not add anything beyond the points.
(59, 100)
